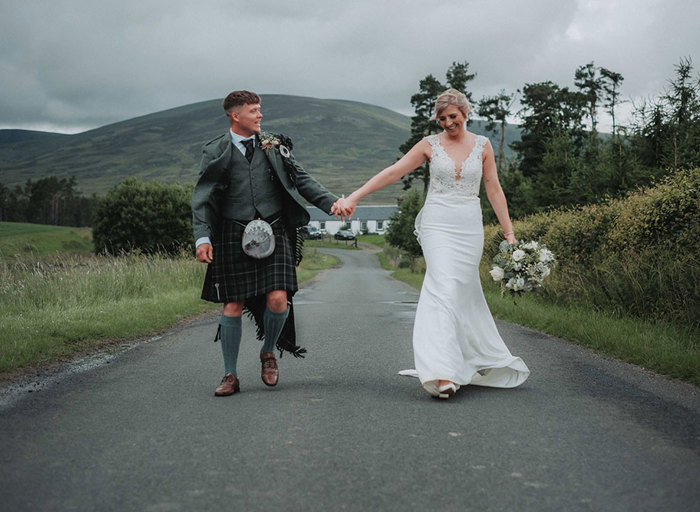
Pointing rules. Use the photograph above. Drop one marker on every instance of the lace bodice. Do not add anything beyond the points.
(444, 177)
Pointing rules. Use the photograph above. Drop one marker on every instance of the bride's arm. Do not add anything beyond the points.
(411, 160)
(495, 193)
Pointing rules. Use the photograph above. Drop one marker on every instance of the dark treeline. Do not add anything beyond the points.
(48, 200)
(561, 159)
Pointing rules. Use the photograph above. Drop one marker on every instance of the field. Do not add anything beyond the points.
(20, 241)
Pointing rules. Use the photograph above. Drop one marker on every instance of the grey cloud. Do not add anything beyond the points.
(76, 64)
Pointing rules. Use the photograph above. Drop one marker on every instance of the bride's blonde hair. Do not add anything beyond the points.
(451, 97)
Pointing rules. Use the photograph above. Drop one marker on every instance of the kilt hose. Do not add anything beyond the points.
(233, 276)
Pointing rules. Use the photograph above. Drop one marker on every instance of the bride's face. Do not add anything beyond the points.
(452, 119)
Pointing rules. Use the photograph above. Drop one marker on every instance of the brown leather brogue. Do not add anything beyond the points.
(229, 385)
(270, 373)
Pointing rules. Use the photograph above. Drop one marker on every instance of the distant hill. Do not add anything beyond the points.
(15, 136)
(341, 143)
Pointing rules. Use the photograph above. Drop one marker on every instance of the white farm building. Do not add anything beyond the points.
(370, 219)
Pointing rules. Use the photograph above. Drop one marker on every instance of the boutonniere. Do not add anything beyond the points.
(270, 141)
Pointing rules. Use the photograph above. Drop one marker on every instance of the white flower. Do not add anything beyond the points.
(545, 254)
(531, 245)
(496, 273)
(518, 254)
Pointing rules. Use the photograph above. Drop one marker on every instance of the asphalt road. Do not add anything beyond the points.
(342, 431)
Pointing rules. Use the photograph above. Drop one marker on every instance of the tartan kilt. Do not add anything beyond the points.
(241, 277)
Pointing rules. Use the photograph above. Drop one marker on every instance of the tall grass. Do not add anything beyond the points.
(51, 310)
(665, 347)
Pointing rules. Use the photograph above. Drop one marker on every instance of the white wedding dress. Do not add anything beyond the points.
(454, 335)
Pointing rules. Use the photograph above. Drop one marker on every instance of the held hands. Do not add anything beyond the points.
(344, 207)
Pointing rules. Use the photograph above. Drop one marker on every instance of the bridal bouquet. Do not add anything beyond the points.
(521, 267)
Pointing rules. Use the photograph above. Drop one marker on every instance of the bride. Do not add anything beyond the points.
(455, 340)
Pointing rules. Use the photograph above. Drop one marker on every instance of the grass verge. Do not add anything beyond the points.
(328, 242)
(71, 305)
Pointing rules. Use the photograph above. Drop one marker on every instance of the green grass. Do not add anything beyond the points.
(328, 242)
(664, 348)
(377, 240)
(20, 241)
(313, 263)
(52, 310)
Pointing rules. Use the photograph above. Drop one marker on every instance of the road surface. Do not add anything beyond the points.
(342, 431)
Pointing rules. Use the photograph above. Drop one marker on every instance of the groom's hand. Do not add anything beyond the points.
(342, 208)
(205, 253)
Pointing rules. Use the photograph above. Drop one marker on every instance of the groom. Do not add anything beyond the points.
(245, 175)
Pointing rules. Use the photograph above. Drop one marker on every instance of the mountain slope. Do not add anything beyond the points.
(341, 143)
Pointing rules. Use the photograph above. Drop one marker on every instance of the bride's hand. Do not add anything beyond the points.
(510, 238)
(344, 207)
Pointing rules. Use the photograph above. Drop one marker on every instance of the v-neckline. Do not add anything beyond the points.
(458, 170)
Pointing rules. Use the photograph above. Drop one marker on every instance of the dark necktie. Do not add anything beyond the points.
(248, 149)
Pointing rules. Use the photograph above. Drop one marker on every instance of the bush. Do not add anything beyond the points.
(661, 216)
(400, 232)
(636, 256)
(146, 217)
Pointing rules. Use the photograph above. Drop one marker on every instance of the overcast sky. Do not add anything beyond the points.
(71, 65)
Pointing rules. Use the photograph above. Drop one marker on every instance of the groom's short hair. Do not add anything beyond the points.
(240, 98)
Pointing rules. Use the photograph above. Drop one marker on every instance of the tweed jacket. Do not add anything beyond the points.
(214, 178)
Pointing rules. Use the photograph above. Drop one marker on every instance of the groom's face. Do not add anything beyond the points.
(245, 120)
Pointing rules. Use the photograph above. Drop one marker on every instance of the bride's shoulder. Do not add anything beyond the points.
(481, 140)
(431, 139)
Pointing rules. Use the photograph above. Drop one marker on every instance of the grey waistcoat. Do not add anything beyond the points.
(252, 188)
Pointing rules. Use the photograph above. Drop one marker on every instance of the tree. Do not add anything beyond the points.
(150, 217)
(683, 102)
(552, 136)
(611, 81)
(587, 79)
(5, 198)
(666, 131)
(497, 109)
(547, 110)
(458, 77)
(400, 232)
(49, 200)
(423, 103)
